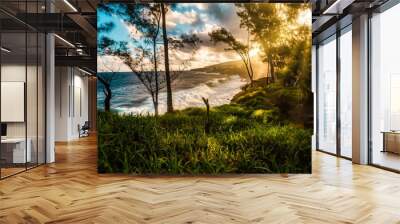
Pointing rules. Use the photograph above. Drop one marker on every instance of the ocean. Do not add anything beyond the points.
(130, 96)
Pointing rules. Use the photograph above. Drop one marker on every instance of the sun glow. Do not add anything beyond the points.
(304, 17)
(255, 50)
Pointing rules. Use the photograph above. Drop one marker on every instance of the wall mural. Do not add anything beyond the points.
(204, 88)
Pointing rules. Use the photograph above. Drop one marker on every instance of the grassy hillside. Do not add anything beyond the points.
(237, 68)
(287, 102)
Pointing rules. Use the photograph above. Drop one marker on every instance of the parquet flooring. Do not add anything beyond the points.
(71, 191)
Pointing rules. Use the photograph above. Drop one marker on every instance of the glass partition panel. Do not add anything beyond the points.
(346, 93)
(22, 77)
(32, 98)
(14, 151)
(327, 95)
(41, 98)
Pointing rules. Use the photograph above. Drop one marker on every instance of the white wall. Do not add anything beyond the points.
(71, 102)
(14, 72)
(62, 81)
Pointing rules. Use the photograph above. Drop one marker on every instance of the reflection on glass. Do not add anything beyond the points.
(31, 100)
(22, 90)
(41, 99)
(346, 94)
(385, 89)
(327, 96)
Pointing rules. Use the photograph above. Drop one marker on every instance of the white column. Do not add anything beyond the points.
(50, 94)
(360, 90)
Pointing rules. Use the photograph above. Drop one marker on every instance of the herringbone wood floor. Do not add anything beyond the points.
(70, 191)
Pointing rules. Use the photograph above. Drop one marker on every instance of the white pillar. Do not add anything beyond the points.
(360, 90)
(50, 99)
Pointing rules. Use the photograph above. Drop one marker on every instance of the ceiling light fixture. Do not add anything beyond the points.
(64, 40)
(84, 71)
(70, 5)
(337, 7)
(5, 50)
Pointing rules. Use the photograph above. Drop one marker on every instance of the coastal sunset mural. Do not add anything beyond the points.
(204, 88)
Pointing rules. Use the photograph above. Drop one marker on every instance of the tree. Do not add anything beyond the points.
(145, 18)
(170, 107)
(286, 45)
(224, 36)
(263, 21)
(106, 80)
(272, 26)
(138, 60)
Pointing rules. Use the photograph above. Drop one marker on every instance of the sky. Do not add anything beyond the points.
(185, 18)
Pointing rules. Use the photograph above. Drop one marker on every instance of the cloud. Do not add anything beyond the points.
(204, 18)
(218, 12)
(210, 16)
(200, 6)
(109, 63)
(175, 17)
(133, 32)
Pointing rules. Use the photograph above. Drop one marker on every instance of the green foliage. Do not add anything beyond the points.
(240, 140)
(288, 104)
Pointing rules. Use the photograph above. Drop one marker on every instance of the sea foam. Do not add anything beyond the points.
(219, 91)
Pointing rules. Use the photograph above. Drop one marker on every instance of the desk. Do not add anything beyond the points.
(15, 148)
(391, 141)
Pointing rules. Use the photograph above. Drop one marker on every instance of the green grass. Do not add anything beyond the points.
(242, 139)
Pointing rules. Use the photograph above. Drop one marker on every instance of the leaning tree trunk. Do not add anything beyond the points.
(107, 93)
(271, 69)
(170, 107)
(155, 101)
(107, 100)
(250, 70)
(155, 104)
